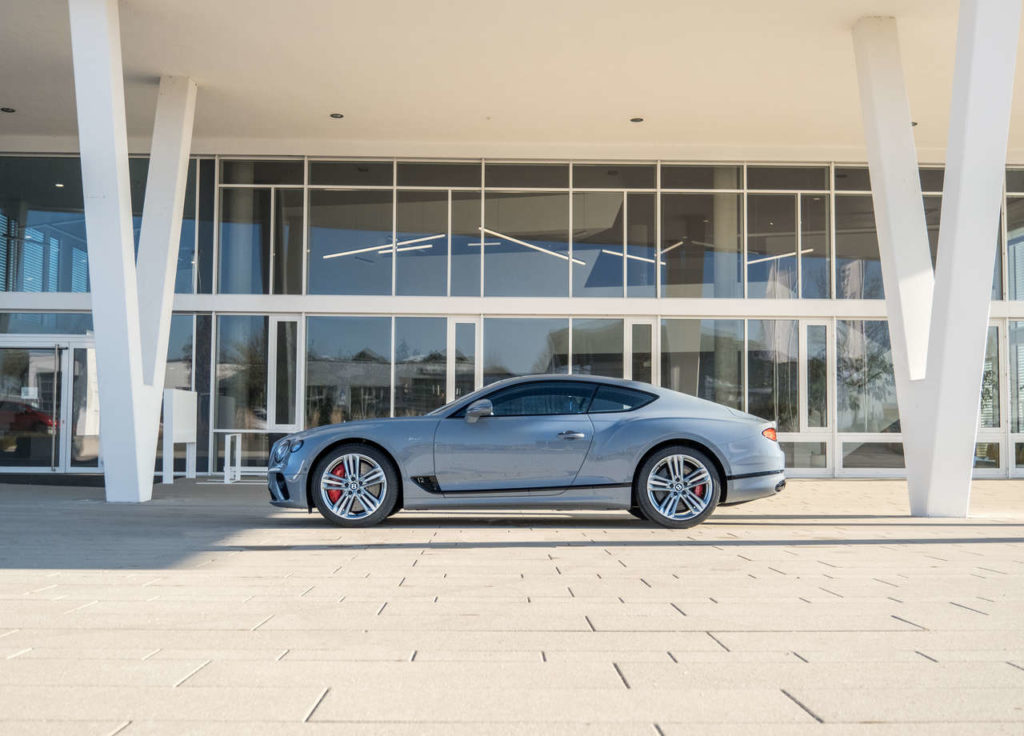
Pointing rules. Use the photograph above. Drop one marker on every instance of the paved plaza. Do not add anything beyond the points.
(824, 610)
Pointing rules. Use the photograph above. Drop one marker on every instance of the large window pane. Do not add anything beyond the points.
(1015, 247)
(204, 246)
(704, 358)
(30, 408)
(465, 358)
(467, 253)
(641, 244)
(286, 362)
(772, 372)
(700, 245)
(614, 176)
(598, 249)
(701, 177)
(817, 376)
(521, 347)
(597, 347)
(179, 353)
(771, 246)
(187, 242)
(787, 177)
(261, 172)
(989, 418)
(288, 230)
(527, 244)
(866, 388)
(244, 241)
(42, 225)
(350, 246)
(422, 247)
(642, 350)
(815, 253)
(241, 372)
(45, 323)
(348, 369)
(423, 174)
(352, 173)
(420, 369)
(539, 176)
(1016, 376)
(858, 270)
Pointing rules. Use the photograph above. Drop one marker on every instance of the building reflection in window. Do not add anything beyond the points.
(704, 358)
(348, 369)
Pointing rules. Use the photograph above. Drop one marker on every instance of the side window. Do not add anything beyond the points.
(544, 398)
(612, 398)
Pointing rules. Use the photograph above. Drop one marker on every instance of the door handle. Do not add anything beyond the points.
(571, 435)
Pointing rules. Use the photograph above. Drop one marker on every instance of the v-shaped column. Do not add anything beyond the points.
(131, 310)
(938, 320)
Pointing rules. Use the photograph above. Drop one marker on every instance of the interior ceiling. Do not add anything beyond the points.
(532, 78)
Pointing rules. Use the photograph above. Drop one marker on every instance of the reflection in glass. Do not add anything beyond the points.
(643, 361)
(597, 347)
(772, 372)
(641, 244)
(465, 358)
(853, 179)
(42, 225)
(255, 449)
(287, 356)
(350, 245)
(986, 455)
(45, 323)
(862, 455)
(866, 387)
(704, 358)
(858, 269)
(241, 372)
(526, 244)
(29, 407)
(423, 174)
(348, 369)
(1015, 247)
(536, 176)
(771, 246)
(1016, 376)
(815, 255)
(85, 409)
(467, 255)
(614, 176)
(597, 243)
(421, 252)
(187, 243)
(260, 172)
(351, 173)
(420, 364)
(787, 177)
(205, 230)
(244, 241)
(817, 376)
(521, 347)
(805, 454)
(701, 245)
(989, 415)
(701, 177)
(288, 219)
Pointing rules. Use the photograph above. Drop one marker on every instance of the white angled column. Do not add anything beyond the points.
(938, 321)
(124, 398)
(979, 125)
(131, 338)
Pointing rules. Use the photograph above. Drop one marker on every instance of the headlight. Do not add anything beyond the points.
(280, 452)
(295, 445)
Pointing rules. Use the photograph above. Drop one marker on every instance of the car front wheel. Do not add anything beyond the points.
(355, 485)
(678, 487)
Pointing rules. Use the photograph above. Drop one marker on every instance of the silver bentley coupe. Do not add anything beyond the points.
(536, 442)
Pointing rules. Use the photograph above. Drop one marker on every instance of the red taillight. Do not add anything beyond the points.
(770, 434)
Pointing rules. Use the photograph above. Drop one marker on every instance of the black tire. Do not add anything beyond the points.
(709, 496)
(389, 492)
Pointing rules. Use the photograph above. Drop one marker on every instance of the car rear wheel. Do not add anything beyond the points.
(355, 485)
(678, 487)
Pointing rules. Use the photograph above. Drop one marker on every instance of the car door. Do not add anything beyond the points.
(537, 438)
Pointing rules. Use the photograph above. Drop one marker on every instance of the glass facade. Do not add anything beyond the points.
(629, 244)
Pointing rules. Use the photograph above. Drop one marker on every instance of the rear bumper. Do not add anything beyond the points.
(743, 488)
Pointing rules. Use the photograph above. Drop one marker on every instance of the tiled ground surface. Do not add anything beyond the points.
(824, 610)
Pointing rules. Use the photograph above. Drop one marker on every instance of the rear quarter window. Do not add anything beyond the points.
(613, 398)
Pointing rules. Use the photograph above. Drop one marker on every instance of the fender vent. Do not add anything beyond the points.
(427, 482)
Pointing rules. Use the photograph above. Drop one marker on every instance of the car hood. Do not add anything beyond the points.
(357, 426)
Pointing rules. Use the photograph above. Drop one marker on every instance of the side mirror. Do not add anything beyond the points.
(481, 408)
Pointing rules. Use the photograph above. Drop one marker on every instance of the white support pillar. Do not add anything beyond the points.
(979, 125)
(131, 337)
(161, 219)
(938, 322)
(125, 400)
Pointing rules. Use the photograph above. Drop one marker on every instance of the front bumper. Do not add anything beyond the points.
(743, 488)
(286, 482)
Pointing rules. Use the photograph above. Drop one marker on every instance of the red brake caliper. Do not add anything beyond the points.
(699, 490)
(335, 493)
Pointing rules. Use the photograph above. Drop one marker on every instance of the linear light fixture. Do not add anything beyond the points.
(778, 257)
(523, 243)
(627, 255)
(390, 247)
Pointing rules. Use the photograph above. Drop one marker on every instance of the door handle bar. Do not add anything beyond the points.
(571, 435)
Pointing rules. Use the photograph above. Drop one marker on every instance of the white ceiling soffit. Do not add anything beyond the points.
(733, 79)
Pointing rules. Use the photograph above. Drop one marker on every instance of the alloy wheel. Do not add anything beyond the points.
(353, 486)
(679, 487)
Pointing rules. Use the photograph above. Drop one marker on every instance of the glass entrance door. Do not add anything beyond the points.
(30, 408)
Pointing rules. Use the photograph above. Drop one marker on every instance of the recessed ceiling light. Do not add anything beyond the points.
(913, 123)
(636, 120)
(337, 115)
(59, 185)
(7, 109)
